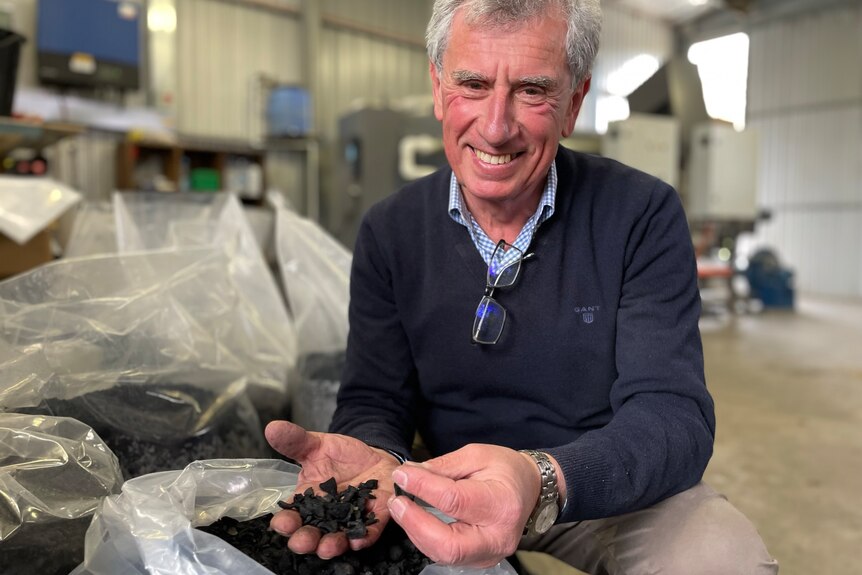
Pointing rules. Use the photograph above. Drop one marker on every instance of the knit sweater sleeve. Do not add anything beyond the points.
(660, 437)
(378, 394)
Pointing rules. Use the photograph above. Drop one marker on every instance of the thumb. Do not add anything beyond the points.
(290, 439)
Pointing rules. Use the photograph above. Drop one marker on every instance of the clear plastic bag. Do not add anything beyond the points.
(150, 527)
(93, 231)
(178, 221)
(151, 349)
(54, 472)
(315, 270)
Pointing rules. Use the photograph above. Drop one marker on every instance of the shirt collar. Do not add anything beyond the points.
(458, 211)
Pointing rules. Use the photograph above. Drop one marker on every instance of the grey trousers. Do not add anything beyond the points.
(696, 532)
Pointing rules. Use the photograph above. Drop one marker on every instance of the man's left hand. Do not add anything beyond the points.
(490, 491)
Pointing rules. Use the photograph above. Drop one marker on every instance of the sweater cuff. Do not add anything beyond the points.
(580, 468)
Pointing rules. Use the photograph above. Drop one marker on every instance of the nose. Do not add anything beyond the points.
(499, 121)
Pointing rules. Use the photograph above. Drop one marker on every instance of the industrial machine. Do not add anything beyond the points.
(713, 166)
(382, 149)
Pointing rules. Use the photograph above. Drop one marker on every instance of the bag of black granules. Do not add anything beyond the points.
(81, 326)
(54, 472)
(165, 424)
(159, 524)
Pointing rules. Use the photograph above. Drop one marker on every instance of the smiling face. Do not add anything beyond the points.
(505, 98)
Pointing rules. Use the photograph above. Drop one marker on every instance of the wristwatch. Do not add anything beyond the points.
(547, 507)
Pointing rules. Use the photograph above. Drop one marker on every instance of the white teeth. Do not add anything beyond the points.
(490, 159)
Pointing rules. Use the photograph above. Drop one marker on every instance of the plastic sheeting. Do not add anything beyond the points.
(159, 221)
(54, 472)
(81, 325)
(315, 270)
(93, 231)
(316, 273)
(150, 527)
(28, 205)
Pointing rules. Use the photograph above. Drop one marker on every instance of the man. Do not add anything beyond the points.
(584, 349)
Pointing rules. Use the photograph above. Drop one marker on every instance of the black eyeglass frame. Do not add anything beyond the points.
(488, 306)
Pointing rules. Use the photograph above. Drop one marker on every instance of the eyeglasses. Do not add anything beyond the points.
(502, 272)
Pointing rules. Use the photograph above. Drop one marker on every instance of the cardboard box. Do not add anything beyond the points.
(16, 258)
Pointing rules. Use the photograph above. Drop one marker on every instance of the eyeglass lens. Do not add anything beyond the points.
(502, 272)
(504, 266)
(489, 322)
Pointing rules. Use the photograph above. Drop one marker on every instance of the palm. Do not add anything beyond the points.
(324, 456)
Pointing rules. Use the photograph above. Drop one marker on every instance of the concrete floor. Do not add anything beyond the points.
(788, 453)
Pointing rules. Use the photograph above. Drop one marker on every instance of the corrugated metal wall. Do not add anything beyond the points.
(223, 48)
(805, 99)
(371, 52)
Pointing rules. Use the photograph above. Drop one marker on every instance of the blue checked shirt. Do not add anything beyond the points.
(458, 211)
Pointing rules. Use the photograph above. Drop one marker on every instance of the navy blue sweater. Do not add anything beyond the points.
(600, 363)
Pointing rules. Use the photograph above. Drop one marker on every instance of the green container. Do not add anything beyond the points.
(205, 180)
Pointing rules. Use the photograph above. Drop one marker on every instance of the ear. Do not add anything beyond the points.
(575, 107)
(436, 90)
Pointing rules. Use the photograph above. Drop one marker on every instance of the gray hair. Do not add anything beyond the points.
(584, 18)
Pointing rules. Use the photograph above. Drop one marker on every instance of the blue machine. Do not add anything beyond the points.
(770, 282)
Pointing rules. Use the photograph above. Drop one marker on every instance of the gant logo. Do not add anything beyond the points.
(588, 313)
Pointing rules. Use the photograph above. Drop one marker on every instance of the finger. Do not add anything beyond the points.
(374, 531)
(447, 544)
(290, 439)
(424, 529)
(304, 540)
(332, 545)
(454, 498)
(285, 522)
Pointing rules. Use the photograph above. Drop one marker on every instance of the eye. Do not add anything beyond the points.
(533, 93)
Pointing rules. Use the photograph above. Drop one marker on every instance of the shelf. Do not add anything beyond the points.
(20, 134)
(167, 166)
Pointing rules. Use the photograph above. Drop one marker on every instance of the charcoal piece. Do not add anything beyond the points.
(336, 510)
(392, 554)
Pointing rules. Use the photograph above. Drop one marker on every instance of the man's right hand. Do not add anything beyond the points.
(322, 456)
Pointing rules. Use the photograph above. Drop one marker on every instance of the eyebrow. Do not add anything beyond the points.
(467, 76)
(541, 81)
(545, 82)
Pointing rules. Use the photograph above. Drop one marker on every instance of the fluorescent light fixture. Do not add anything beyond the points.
(161, 17)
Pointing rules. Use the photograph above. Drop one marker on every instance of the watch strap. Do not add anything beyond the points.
(549, 493)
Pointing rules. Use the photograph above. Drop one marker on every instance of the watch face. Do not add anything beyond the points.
(546, 517)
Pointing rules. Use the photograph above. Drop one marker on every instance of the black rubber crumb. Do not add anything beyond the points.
(336, 510)
(392, 554)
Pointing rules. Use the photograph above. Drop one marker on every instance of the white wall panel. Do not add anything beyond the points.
(406, 18)
(805, 100)
(357, 67)
(812, 59)
(223, 47)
